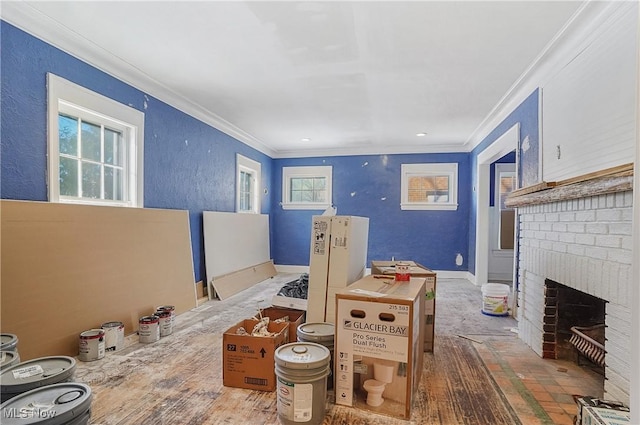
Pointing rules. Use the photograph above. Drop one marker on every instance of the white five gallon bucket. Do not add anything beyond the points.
(495, 299)
(301, 370)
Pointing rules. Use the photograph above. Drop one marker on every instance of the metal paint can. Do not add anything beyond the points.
(149, 329)
(165, 323)
(403, 272)
(301, 370)
(171, 309)
(113, 336)
(91, 345)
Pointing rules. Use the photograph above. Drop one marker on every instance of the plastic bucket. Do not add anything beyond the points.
(36, 373)
(322, 333)
(57, 404)
(301, 370)
(8, 359)
(8, 342)
(495, 299)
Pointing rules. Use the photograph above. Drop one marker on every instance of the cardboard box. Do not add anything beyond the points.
(379, 324)
(296, 318)
(248, 361)
(337, 258)
(593, 411)
(387, 268)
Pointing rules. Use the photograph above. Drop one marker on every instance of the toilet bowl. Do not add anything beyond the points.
(382, 375)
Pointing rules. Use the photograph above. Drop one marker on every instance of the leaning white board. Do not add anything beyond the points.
(233, 242)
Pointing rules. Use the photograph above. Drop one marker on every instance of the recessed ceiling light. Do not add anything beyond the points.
(421, 134)
(306, 139)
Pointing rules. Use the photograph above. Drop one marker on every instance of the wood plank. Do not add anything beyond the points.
(233, 283)
(618, 170)
(531, 189)
(68, 268)
(593, 187)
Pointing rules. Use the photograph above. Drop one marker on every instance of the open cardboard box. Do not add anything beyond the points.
(248, 361)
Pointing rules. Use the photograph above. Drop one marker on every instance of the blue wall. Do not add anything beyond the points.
(188, 165)
(369, 186)
(527, 115)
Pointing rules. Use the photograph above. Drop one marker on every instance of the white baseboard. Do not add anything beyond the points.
(441, 274)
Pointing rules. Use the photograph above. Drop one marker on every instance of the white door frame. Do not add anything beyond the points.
(502, 146)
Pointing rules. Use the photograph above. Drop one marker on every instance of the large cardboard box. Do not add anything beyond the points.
(337, 258)
(387, 268)
(379, 334)
(296, 318)
(248, 361)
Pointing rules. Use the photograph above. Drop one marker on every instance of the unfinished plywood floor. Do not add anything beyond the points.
(178, 380)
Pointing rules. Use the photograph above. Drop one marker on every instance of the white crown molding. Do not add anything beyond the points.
(39, 25)
(370, 150)
(582, 25)
(570, 40)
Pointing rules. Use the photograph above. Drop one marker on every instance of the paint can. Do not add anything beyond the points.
(149, 329)
(57, 404)
(403, 272)
(113, 336)
(172, 310)
(35, 373)
(301, 369)
(495, 299)
(321, 333)
(91, 346)
(165, 323)
(8, 359)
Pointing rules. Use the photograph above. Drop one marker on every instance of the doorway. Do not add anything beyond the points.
(505, 144)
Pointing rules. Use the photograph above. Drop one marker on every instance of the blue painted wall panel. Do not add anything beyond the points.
(527, 115)
(188, 164)
(369, 186)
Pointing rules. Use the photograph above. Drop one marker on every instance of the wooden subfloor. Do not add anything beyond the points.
(178, 380)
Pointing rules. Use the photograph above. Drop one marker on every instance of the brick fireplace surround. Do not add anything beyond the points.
(585, 244)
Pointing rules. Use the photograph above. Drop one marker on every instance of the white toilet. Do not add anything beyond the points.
(382, 375)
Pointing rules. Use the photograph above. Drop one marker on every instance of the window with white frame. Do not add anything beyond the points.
(95, 147)
(306, 188)
(429, 186)
(248, 174)
(505, 184)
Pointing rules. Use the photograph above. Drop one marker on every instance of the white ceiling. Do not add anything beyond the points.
(354, 77)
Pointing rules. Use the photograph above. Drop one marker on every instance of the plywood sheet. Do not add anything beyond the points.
(233, 283)
(69, 268)
(234, 242)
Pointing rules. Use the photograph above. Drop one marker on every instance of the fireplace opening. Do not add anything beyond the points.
(574, 324)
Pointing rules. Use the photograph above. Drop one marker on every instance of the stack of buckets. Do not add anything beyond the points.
(39, 391)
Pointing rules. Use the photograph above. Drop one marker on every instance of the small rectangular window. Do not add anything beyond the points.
(95, 147)
(306, 187)
(429, 187)
(248, 184)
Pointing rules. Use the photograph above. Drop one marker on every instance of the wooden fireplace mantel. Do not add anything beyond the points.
(611, 180)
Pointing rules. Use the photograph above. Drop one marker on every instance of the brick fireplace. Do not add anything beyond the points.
(584, 244)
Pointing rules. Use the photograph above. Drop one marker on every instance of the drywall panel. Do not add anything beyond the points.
(69, 268)
(588, 107)
(233, 242)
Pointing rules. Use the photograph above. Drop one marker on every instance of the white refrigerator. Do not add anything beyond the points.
(338, 257)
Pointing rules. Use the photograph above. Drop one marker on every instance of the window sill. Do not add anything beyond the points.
(429, 207)
(305, 206)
